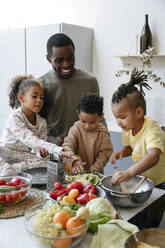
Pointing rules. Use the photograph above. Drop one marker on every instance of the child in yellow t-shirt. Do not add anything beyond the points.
(142, 137)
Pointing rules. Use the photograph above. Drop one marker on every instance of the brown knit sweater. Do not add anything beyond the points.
(94, 147)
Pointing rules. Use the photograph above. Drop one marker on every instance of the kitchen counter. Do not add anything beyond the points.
(14, 234)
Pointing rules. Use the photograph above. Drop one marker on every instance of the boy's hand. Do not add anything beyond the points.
(120, 177)
(78, 167)
(95, 168)
(43, 152)
(66, 152)
(115, 156)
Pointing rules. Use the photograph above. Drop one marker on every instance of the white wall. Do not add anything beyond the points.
(115, 24)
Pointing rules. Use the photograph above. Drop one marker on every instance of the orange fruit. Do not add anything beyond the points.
(74, 225)
(69, 199)
(73, 193)
(61, 217)
(62, 243)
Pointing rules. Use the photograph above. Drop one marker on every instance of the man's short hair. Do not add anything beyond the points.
(58, 40)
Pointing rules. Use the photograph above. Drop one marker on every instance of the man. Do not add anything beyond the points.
(64, 85)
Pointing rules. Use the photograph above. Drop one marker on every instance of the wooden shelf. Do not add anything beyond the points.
(137, 55)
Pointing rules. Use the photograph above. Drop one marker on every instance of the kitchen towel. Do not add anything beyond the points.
(113, 234)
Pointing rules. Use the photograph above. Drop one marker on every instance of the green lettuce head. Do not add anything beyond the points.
(100, 212)
(100, 207)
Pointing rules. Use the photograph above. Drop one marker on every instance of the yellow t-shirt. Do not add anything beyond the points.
(150, 136)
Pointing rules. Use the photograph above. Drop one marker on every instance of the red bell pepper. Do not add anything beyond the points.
(75, 185)
(90, 188)
(83, 198)
(91, 196)
(54, 194)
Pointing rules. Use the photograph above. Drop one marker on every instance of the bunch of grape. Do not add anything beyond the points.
(44, 225)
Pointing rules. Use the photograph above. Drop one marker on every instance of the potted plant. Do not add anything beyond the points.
(146, 64)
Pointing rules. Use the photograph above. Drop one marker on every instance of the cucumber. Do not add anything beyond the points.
(5, 188)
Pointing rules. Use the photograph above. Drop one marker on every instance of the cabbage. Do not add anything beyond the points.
(100, 207)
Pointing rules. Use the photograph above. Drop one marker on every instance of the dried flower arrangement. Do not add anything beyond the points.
(145, 58)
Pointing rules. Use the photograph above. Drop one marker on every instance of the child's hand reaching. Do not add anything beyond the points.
(66, 152)
(115, 156)
(43, 152)
(78, 167)
(120, 177)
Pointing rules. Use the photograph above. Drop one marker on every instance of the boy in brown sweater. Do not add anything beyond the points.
(88, 138)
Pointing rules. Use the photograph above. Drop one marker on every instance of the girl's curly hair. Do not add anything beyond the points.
(137, 78)
(20, 84)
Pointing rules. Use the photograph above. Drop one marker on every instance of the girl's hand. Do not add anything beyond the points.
(120, 177)
(115, 156)
(43, 152)
(78, 167)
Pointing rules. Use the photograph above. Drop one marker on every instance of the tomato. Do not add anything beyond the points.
(74, 226)
(9, 184)
(2, 197)
(58, 185)
(61, 217)
(16, 181)
(75, 185)
(14, 196)
(22, 182)
(2, 182)
(8, 198)
(23, 192)
(62, 243)
(73, 193)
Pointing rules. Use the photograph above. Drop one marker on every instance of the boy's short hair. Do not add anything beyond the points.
(91, 104)
(58, 40)
(129, 92)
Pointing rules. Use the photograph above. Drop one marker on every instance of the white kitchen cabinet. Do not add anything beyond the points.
(36, 40)
(24, 51)
(12, 63)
